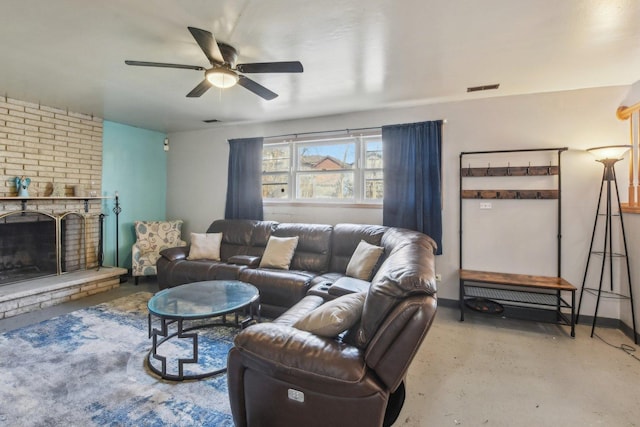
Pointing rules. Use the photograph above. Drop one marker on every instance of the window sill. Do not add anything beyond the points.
(324, 205)
(632, 209)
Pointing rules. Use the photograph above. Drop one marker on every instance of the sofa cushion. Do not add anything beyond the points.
(314, 245)
(242, 236)
(279, 252)
(281, 288)
(346, 238)
(333, 317)
(251, 261)
(363, 260)
(409, 270)
(205, 246)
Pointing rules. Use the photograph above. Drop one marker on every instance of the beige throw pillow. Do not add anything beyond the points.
(363, 260)
(205, 246)
(333, 317)
(279, 252)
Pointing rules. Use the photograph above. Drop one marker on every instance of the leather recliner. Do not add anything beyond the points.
(282, 376)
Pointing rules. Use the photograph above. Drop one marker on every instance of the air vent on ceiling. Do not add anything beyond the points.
(211, 121)
(485, 87)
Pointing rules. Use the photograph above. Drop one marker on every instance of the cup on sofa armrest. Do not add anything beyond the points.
(175, 254)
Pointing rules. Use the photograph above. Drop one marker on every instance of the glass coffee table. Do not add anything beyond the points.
(186, 306)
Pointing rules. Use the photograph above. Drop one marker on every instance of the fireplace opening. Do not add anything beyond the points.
(35, 244)
(27, 246)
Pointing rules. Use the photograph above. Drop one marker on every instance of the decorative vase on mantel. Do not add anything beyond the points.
(22, 185)
(58, 190)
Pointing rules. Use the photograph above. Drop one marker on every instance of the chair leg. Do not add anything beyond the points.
(136, 280)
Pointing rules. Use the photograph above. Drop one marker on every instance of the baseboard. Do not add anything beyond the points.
(536, 315)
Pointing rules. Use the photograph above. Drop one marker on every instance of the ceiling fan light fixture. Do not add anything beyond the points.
(221, 77)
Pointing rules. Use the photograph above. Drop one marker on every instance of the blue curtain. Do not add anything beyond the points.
(244, 181)
(412, 174)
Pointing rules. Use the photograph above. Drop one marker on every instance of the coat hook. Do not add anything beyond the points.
(508, 168)
(488, 168)
(469, 169)
(528, 167)
(549, 168)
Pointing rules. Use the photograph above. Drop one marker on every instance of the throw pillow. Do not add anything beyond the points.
(279, 252)
(333, 317)
(363, 260)
(205, 246)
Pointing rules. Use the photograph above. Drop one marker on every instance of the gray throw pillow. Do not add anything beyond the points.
(279, 252)
(333, 317)
(363, 260)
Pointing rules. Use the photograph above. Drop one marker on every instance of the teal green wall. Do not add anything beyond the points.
(134, 164)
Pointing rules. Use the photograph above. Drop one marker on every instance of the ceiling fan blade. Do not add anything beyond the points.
(271, 67)
(197, 91)
(256, 88)
(208, 44)
(164, 65)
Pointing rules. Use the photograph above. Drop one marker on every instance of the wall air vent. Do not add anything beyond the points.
(211, 121)
(485, 87)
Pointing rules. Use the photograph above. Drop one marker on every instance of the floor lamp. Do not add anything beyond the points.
(608, 156)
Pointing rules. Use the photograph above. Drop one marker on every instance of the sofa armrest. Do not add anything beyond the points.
(272, 347)
(348, 285)
(251, 261)
(175, 254)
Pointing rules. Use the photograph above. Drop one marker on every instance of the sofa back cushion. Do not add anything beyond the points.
(346, 238)
(314, 245)
(242, 236)
(409, 270)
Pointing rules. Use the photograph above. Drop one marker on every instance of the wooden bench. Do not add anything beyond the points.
(519, 290)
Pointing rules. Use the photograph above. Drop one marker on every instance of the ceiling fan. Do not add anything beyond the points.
(224, 71)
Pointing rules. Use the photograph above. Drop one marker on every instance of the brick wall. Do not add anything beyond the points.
(50, 145)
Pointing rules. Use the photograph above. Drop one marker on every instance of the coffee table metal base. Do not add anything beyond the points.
(162, 335)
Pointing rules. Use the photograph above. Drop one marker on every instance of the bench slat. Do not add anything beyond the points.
(543, 282)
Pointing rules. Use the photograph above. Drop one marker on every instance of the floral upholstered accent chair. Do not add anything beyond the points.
(151, 238)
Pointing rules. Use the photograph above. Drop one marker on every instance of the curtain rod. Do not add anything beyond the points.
(295, 135)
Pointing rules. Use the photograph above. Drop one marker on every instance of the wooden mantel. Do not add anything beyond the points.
(24, 200)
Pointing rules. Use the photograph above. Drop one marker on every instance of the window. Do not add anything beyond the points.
(344, 169)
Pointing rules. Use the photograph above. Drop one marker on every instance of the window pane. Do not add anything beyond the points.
(373, 185)
(327, 156)
(276, 158)
(373, 155)
(275, 186)
(332, 185)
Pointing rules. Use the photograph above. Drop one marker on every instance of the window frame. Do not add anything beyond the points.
(359, 169)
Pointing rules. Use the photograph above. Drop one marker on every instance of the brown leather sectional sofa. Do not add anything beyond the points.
(320, 259)
(281, 375)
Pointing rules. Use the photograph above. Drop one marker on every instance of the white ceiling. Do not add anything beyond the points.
(357, 54)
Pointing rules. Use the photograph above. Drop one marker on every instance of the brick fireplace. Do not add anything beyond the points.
(50, 146)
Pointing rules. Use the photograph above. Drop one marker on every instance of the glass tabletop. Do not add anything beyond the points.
(203, 299)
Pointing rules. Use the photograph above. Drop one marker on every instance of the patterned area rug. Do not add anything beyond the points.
(87, 368)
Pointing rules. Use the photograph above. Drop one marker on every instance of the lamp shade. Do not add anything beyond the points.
(222, 77)
(609, 152)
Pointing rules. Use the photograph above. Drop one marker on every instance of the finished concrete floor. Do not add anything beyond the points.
(491, 371)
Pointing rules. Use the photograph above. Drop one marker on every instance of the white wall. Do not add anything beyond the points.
(579, 119)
